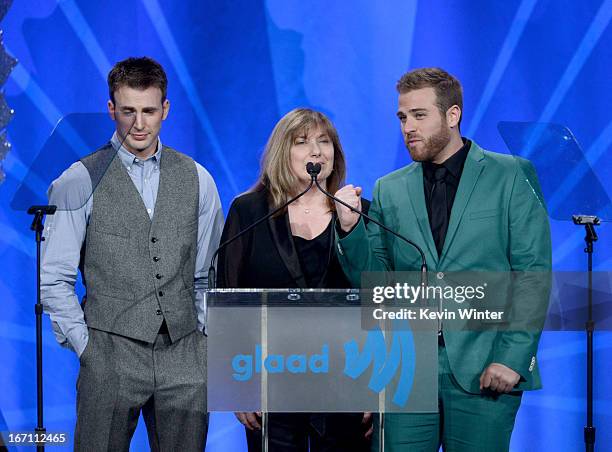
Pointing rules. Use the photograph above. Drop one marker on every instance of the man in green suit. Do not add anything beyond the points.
(469, 210)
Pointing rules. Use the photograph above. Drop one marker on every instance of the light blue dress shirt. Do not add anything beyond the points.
(65, 232)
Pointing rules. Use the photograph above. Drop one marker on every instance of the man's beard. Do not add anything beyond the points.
(431, 146)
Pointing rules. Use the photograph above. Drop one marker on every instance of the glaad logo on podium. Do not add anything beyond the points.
(245, 365)
(385, 363)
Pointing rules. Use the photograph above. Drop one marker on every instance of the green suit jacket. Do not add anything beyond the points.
(498, 223)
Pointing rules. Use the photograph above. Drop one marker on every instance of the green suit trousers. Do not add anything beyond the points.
(465, 422)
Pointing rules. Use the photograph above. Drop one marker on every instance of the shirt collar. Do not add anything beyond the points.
(454, 164)
(127, 158)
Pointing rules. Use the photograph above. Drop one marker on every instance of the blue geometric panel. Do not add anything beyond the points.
(235, 68)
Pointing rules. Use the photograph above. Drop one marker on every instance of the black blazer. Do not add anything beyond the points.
(266, 257)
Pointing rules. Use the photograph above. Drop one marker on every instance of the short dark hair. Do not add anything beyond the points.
(447, 88)
(138, 73)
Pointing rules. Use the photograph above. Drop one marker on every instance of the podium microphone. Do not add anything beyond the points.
(313, 169)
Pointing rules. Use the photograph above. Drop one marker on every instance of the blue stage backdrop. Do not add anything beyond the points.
(236, 67)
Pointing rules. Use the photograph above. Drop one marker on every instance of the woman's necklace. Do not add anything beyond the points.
(306, 210)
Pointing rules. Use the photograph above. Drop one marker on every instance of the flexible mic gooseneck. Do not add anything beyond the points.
(211, 270)
(315, 168)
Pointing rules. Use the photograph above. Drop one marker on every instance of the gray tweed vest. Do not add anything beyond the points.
(139, 271)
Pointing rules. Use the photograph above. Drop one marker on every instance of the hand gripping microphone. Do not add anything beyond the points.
(313, 169)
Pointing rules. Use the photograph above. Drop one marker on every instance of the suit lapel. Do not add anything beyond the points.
(416, 194)
(474, 165)
(283, 239)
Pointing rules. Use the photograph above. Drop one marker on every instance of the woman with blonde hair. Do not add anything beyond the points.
(294, 249)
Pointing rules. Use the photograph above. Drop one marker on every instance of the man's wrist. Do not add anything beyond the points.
(344, 231)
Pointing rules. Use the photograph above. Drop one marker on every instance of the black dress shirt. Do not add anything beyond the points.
(448, 175)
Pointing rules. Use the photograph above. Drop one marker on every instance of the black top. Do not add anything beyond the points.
(440, 182)
(313, 256)
(269, 256)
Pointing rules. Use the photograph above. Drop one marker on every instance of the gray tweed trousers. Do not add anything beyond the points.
(120, 377)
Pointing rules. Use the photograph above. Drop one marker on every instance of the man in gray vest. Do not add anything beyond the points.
(140, 220)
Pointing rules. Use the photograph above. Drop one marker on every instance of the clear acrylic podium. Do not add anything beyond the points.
(314, 350)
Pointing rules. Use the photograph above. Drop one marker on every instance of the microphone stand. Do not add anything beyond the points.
(212, 284)
(39, 213)
(589, 222)
(314, 170)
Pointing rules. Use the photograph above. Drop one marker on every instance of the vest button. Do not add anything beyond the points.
(153, 239)
(156, 259)
(158, 312)
(160, 293)
(158, 276)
